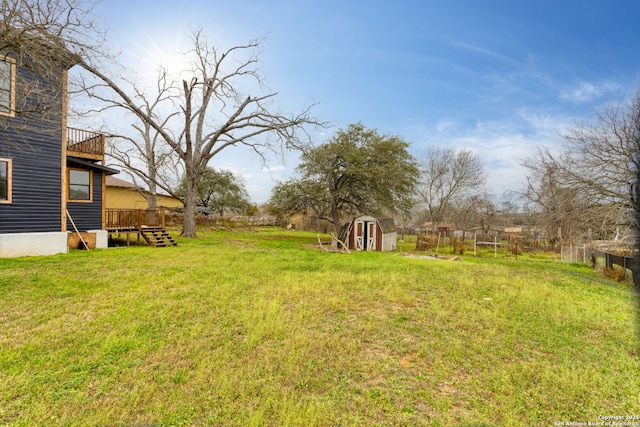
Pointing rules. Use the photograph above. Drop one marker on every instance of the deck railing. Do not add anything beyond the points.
(133, 219)
(85, 143)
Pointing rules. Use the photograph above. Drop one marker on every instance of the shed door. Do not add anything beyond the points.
(371, 236)
(358, 240)
(365, 235)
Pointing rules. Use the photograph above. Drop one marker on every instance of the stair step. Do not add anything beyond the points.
(157, 236)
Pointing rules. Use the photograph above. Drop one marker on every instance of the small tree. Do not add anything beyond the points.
(448, 174)
(221, 191)
(357, 171)
(473, 210)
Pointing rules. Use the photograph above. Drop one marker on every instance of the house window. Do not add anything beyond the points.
(80, 185)
(5, 180)
(7, 86)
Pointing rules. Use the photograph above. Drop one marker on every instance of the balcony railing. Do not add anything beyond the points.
(83, 143)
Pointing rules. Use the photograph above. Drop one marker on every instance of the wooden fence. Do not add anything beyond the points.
(612, 259)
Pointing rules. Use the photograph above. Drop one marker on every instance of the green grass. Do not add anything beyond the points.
(262, 328)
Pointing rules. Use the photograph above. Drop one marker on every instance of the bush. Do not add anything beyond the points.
(616, 273)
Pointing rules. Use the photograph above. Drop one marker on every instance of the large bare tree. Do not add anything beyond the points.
(592, 182)
(144, 154)
(599, 165)
(448, 174)
(222, 103)
(559, 210)
(209, 111)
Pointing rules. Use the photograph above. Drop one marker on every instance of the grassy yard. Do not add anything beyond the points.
(262, 328)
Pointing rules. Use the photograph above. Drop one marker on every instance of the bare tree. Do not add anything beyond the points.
(46, 37)
(558, 208)
(447, 174)
(49, 32)
(591, 183)
(473, 210)
(209, 111)
(145, 155)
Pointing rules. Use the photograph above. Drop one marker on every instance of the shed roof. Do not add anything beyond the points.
(386, 224)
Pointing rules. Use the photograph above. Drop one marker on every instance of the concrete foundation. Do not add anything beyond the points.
(32, 244)
(102, 238)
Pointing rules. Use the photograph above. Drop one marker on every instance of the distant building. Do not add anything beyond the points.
(127, 195)
(441, 227)
(510, 232)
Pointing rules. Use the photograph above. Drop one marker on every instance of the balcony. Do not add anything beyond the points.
(85, 144)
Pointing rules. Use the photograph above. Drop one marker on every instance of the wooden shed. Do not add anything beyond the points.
(370, 233)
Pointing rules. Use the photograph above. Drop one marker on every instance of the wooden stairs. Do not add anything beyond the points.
(157, 236)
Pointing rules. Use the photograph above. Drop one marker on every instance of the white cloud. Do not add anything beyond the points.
(587, 91)
(483, 51)
(445, 126)
(501, 145)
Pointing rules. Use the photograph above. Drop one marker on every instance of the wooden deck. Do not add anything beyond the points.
(148, 223)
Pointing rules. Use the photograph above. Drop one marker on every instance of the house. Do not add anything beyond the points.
(438, 228)
(512, 232)
(52, 178)
(370, 233)
(127, 195)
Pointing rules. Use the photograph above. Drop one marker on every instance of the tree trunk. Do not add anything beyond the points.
(153, 190)
(189, 212)
(335, 216)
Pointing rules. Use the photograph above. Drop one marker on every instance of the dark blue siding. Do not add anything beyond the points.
(88, 216)
(36, 174)
(34, 143)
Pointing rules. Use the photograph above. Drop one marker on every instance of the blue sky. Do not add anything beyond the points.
(497, 77)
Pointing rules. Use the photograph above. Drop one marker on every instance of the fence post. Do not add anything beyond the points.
(570, 252)
(475, 239)
(495, 246)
